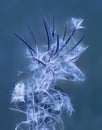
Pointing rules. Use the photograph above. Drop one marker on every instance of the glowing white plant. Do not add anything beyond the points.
(43, 105)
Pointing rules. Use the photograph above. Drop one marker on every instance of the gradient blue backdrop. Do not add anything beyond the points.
(86, 97)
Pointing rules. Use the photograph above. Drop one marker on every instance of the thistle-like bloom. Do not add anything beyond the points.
(38, 98)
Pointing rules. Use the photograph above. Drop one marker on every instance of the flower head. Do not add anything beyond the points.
(77, 23)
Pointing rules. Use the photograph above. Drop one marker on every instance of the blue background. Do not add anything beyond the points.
(86, 97)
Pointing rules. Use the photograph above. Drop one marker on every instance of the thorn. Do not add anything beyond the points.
(47, 29)
(25, 43)
(65, 30)
(70, 36)
(32, 34)
(57, 45)
(53, 26)
(76, 44)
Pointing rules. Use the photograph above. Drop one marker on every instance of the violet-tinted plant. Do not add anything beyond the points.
(42, 103)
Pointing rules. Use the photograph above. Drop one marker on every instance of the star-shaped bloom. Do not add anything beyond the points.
(77, 23)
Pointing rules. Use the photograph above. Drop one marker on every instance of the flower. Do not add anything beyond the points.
(77, 23)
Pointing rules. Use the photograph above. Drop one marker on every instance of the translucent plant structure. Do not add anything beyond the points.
(37, 98)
